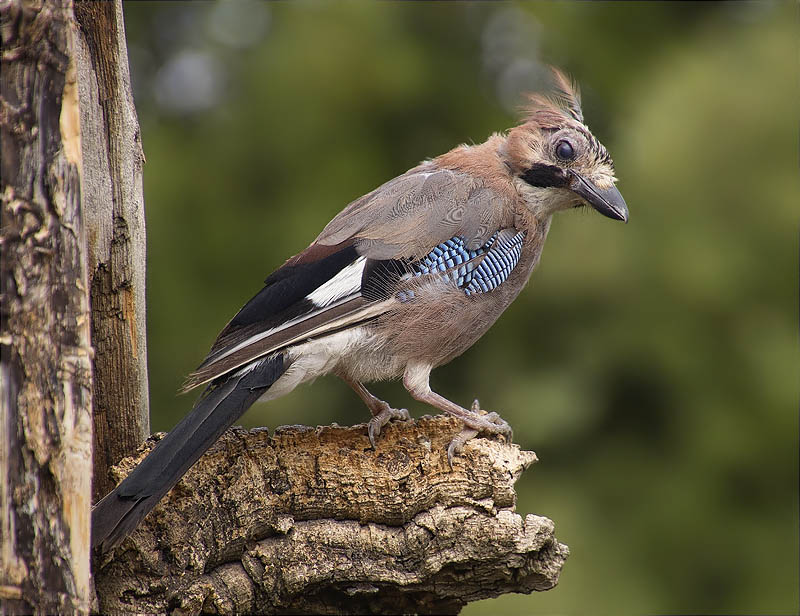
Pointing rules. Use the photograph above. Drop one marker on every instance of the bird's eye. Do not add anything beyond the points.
(564, 150)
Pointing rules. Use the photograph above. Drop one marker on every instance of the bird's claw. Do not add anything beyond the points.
(457, 444)
(381, 419)
(499, 426)
(482, 421)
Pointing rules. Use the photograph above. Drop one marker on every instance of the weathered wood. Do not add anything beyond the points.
(45, 367)
(113, 204)
(314, 521)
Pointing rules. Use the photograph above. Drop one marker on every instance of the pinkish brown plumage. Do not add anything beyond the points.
(402, 280)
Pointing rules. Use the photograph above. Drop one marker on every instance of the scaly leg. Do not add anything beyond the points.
(382, 413)
(416, 381)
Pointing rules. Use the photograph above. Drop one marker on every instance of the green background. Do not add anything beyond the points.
(652, 366)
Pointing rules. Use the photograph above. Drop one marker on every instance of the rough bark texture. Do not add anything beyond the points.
(114, 209)
(45, 369)
(314, 521)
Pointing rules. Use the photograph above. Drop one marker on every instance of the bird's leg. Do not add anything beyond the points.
(382, 413)
(416, 381)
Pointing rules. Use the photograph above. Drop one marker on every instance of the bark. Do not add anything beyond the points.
(114, 208)
(45, 368)
(314, 521)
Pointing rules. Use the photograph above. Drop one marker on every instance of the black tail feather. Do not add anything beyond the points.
(120, 511)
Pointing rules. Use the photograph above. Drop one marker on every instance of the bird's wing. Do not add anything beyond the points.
(414, 212)
(344, 278)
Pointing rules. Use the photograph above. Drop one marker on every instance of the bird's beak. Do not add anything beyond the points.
(608, 202)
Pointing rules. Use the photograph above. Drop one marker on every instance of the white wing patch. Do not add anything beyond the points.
(266, 333)
(347, 282)
(344, 284)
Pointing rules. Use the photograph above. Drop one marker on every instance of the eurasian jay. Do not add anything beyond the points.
(401, 281)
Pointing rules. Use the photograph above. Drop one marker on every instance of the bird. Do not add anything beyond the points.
(402, 280)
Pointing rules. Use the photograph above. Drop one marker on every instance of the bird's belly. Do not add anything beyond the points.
(433, 328)
(354, 353)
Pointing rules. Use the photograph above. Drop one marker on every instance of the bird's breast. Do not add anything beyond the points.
(440, 316)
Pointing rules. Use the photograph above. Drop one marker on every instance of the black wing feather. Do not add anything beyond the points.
(283, 298)
(290, 284)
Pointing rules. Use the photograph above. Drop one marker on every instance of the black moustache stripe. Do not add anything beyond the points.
(546, 176)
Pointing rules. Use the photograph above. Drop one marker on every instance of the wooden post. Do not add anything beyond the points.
(114, 208)
(45, 367)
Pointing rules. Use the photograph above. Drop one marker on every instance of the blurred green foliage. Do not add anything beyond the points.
(652, 366)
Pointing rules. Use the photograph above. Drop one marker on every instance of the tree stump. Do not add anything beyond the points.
(312, 520)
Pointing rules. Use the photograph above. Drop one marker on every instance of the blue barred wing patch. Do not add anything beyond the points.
(502, 255)
(473, 271)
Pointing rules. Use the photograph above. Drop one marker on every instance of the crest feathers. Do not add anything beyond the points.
(566, 99)
(568, 93)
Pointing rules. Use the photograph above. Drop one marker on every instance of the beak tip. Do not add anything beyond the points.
(614, 213)
(608, 202)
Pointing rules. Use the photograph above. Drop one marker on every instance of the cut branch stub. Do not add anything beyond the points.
(313, 520)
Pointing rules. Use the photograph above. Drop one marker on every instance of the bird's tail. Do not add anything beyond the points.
(225, 400)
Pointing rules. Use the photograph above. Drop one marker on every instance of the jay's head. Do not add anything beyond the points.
(557, 162)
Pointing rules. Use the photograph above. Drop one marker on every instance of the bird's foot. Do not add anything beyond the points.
(381, 418)
(481, 421)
